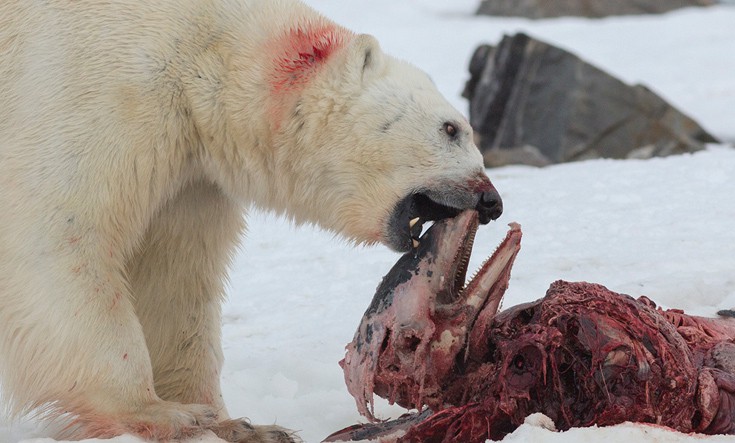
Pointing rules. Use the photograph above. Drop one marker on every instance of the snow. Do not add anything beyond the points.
(663, 227)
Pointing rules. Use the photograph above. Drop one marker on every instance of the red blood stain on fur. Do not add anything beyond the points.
(297, 55)
(116, 298)
(125, 356)
(301, 51)
(480, 183)
(95, 425)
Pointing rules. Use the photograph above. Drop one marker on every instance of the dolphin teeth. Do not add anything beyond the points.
(413, 221)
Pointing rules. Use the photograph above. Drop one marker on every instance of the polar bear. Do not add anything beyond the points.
(133, 136)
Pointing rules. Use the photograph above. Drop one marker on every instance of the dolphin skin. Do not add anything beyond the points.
(582, 355)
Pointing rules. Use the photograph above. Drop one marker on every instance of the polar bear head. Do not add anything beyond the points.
(359, 142)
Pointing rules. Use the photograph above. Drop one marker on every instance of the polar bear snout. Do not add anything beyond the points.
(432, 204)
(490, 206)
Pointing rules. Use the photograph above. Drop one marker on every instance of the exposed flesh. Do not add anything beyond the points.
(583, 355)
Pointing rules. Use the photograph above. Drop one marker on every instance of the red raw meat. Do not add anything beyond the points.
(582, 355)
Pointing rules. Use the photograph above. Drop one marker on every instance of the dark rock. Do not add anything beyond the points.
(536, 9)
(544, 105)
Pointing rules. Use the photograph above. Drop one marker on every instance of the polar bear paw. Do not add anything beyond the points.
(160, 421)
(241, 431)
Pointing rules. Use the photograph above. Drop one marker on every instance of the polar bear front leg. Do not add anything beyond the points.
(177, 277)
(178, 280)
(71, 343)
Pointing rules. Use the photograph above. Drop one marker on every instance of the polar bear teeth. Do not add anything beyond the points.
(415, 226)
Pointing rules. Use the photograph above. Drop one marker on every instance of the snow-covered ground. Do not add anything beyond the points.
(663, 227)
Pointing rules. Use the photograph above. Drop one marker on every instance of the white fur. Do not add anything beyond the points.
(133, 133)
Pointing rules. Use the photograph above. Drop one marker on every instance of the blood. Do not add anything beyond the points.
(480, 183)
(301, 51)
(116, 298)
(582, 355)
(296, 56)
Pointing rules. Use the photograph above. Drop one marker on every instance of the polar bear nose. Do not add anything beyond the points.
(490, 206)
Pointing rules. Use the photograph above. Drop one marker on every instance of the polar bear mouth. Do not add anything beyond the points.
(407, 220)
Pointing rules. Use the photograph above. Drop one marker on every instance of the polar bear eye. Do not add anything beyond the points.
(450, 129)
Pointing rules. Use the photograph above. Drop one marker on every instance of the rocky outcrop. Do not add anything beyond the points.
(534, 103)
(583, 8)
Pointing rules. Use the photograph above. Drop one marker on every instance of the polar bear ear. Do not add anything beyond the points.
(367, 57)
